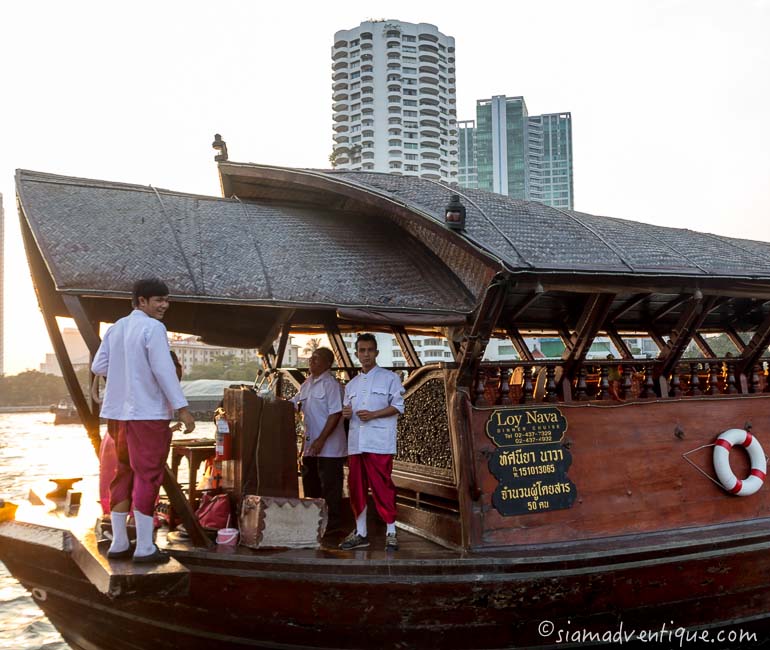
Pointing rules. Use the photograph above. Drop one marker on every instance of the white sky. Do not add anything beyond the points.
(669, 99)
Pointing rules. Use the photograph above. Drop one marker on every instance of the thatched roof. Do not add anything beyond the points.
(525, 236)
(97, 237)
(310, 246)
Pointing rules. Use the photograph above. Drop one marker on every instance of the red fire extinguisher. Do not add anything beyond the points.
(224, 438)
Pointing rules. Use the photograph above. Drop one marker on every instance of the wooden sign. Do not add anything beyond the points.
(532, 478)
(526, 425)
(530, 462)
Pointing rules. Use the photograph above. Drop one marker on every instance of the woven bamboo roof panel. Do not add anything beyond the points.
(530, 236)
(98, 237)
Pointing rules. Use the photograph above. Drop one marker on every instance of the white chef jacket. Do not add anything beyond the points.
(372, 391)
(141, 379)
(320, 397)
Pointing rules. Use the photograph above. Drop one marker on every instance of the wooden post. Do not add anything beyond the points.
(47, 297)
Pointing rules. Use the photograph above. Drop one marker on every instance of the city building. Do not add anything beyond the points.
(394, 104)
(523, 156)
(192, 352)
(467, 175)
(77, 351)
(2, 266)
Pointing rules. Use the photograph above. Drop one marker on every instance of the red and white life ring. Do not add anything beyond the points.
(729, 481)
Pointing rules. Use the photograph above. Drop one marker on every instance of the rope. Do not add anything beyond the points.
(670, 247)
(177, 240)
(615, 249)
(256, 248)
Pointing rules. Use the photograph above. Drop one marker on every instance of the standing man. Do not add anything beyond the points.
(142, 393)
(325, 448)
(374, 398)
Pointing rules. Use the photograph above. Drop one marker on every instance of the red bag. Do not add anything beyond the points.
(214, 511)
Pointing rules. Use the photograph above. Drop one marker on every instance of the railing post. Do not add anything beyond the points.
(504, 396)
(529, 389)
(480, 397)
(694, 380)
(550, 385)
(676, 383)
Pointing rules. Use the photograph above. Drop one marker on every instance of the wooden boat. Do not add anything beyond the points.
(538, 498)
(65, 413)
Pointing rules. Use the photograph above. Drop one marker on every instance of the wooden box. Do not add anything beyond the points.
(275, 522)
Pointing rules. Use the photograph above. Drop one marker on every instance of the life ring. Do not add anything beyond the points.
(729, 481)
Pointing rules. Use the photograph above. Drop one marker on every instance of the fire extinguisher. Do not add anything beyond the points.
(224, 438)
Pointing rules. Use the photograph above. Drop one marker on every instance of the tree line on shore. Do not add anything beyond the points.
(34, 388)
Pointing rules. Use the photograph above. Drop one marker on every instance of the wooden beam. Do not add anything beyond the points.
(689, 322)
(591, 320)
(669, 307)
(757, 306)
(46, 293)
(519, 343)
(627, 306)
(619, 343)
(659, 341)
(523, 306)
(755, 348)
(487, 315)
(283, 341)
(736, 339)
(337, 343)
(89, 329)
(705, 348)
(182, 507)
(407, 348)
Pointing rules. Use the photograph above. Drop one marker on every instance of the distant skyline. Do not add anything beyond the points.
(669, 100)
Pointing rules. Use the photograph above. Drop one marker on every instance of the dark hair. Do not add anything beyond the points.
(327, 354)
(147, 288)
(366, 337)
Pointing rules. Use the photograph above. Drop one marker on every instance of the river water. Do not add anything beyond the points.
(31, 451)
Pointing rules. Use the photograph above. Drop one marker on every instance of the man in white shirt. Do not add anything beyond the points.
(142, 393)
(374, 399)
(325, 448)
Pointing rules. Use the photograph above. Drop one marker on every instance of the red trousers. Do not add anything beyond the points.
(373, 471)
(142, 447)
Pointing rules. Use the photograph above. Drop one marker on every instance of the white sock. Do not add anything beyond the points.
(361, 523)
(391, 528)
(144, 530)
(119, 533)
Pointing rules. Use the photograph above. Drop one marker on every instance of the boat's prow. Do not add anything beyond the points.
(50, 522)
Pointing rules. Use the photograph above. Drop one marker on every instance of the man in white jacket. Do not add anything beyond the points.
(374, 399)
(142, 393)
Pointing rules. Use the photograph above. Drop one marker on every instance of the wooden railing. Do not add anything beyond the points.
(506, 383)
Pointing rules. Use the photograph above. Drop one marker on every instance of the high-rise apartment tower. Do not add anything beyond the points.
(523, 156)
(394, 104)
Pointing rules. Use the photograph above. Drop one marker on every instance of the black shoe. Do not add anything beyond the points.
(120, 555)
(156, 557)
(391, 542)
(354, 540)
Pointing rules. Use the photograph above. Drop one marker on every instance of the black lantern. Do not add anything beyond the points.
(454, 217)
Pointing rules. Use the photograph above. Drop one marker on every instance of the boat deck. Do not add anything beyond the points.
(416, 555)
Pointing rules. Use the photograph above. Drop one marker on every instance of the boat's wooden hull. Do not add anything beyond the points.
(358, 602)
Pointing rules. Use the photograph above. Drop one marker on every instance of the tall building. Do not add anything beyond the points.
(467, 175)
(393, 91)
(2, 265)
(522, 156)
